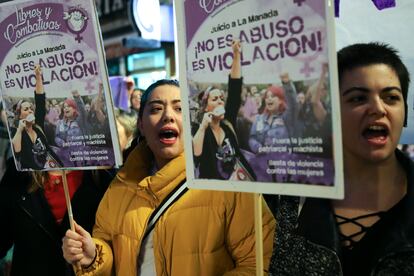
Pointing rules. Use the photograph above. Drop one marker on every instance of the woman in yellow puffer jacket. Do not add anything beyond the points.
(202, 233)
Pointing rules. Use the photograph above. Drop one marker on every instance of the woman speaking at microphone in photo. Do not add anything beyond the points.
(30, 144)
(216, 149)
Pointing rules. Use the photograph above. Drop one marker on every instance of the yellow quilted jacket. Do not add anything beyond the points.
(202, 233)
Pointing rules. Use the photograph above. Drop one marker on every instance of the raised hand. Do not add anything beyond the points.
(38, 71)
(39, 79)
(207, 118)
(22, 125)
(236, 46)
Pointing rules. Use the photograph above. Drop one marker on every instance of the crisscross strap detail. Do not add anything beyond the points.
(349, 241)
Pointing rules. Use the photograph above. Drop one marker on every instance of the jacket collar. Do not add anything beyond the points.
(136, 172)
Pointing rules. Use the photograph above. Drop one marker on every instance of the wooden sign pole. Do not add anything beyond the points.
(258, 222)
(77, 266)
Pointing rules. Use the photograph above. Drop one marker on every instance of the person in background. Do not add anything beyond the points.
(97, 116)
(278, 118)
(136, 100)
(250, 109)
(220, 238)
(133, 97)
(35, 218)
(247, 115)
(71, 128)
(300, 99)
(135, 106)
(87, 108)
(52, 117)
(72, 123)
(371, 231)
(127, 130)
(313, 108)
(408, 150)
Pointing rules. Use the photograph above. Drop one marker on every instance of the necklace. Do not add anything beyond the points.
(54, 180)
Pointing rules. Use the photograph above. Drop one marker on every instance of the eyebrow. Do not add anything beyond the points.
(162, 102)
(366, 90)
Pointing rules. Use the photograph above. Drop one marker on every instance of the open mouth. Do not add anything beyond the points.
(376, 133)
(168, 135)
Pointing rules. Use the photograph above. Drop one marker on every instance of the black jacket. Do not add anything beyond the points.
(29, 157)
(310, 244)
(28, 223)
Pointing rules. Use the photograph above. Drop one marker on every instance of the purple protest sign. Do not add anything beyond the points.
(119, 92)
(57, 45)
(284, 49)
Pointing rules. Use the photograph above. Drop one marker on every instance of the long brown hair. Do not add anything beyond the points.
(39, 178)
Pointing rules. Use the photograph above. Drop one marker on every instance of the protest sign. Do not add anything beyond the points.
(275, 129)
(55, 86)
